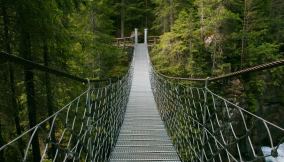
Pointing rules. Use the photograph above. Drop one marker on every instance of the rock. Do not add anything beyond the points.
(267, 152)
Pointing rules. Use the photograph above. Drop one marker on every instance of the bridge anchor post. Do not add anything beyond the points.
(145, 35)
(136, 36)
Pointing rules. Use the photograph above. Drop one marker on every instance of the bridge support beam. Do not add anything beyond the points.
(145, 35)
(136, 36)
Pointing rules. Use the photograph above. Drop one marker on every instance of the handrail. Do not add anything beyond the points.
(237, 73)
(153, 36)
(122, 38)
(251, 69)
(124, 41)
(37, 66)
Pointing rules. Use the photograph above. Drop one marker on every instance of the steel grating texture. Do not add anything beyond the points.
(143, 136)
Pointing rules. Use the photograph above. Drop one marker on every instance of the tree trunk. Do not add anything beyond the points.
(146, 14)
(25, 50)
(202, 21)
(49, 98)
(93, 21)
(97, 60)
(164, 24)
(171, 15)
(244, 33)
(2, 142)
(122, 19)
(8, 49)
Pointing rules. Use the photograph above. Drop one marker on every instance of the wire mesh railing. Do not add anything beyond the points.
(207, 127)
(86, 129)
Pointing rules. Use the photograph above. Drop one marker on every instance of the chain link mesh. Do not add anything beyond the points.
(207, 127)
(86, 129)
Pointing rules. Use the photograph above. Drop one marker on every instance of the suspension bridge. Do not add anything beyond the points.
(148, 116)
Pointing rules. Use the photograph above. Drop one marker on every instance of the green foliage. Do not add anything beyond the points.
(216, 37)
(72, 36)
(265, 52)
(199, 38)
(179, 49)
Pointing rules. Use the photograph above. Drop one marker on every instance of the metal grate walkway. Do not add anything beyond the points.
(143, 136)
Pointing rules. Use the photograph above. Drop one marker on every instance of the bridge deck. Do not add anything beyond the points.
(143, 136)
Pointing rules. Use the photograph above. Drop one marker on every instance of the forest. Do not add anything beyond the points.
(212, 38)
(197, 39)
